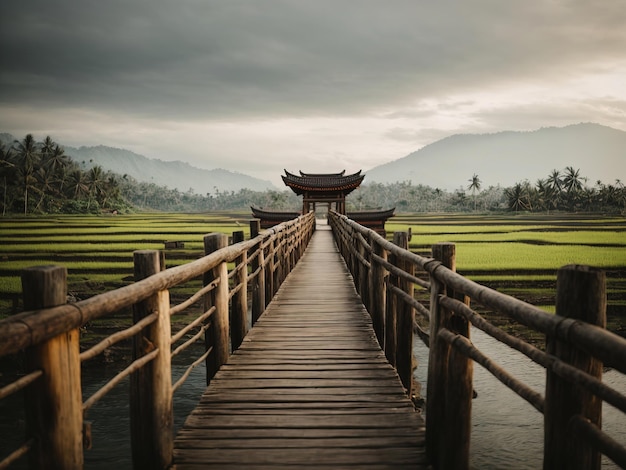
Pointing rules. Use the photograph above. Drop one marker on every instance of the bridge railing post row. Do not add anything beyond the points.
(239, 317)
(581, 295)
(449, 383)
(258, 263)
(217, 335)
(54, 402)
(377, 275)
(151, 408)
(405, 316)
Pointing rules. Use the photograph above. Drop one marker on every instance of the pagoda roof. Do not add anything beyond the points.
(273, 215)
(369, 215)
(323, 183)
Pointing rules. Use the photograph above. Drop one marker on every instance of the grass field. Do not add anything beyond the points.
(517, 255)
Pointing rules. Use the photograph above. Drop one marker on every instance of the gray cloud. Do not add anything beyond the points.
(213, 59)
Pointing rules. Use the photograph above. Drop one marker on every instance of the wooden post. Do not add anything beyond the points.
(258, 288)
(269, 271)
(439, 352)
(581, 295)
(239, 319)
(391, 307)
(404, 320)
(217, 336)
(377, 291)
(53, 402)
(151, 409)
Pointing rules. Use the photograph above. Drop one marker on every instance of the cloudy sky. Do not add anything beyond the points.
(257, 86)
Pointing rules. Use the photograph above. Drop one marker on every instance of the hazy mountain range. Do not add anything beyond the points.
(508, 157)
(176, 174)
(502, 158)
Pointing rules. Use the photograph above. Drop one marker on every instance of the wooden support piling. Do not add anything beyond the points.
(217, 336)
(404, 319)
(239, 314)
(54, 412)
(377, 290)
(581, 295)
(151, 408)
(258, 288)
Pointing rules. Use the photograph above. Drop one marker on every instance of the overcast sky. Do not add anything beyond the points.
(256, 86)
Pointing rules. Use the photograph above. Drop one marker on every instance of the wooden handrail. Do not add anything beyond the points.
(51, 323)
(578, 346)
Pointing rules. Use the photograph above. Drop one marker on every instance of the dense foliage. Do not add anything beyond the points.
(37, 177)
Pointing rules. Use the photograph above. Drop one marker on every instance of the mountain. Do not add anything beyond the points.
(174, 174)
(506, 158)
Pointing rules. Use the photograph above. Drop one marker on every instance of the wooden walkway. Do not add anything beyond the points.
(309, 387)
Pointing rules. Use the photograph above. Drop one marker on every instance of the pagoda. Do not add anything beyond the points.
(329, 189)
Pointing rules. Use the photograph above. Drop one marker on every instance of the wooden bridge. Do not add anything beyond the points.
(309, 384)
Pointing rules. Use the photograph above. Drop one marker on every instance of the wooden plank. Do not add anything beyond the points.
(309, 386)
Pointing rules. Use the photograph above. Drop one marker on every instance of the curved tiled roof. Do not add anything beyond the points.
(322, 183)
(273, 215)
(359, 216)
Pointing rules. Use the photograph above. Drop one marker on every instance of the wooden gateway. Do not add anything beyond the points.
(329, 189)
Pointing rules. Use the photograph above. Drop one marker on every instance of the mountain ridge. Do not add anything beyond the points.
(504, 158)
(173, 174)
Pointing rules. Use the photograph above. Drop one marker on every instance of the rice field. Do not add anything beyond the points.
(517, 255)
(98, 250)
(520, 255)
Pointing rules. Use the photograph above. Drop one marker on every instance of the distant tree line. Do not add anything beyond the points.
(38, 177)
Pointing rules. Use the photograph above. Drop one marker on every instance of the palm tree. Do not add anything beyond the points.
(27, 158)
(517, 198)
(572, 181)
(474, 186)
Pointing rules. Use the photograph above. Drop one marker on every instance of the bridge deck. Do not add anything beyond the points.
(309, 386)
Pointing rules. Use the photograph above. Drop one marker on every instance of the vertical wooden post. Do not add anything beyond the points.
(217, 336)
(240, 299)
(404, 320)
(581, 295)
(439, 352)
(377, 291)
(258, 289)
(391, 307)
(54, 402)
(151, 409)
(269, 271)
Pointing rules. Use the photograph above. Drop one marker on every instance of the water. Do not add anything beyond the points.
(109, 417)
(507, 432)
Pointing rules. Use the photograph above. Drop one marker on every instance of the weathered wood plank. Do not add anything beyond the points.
(309, 386)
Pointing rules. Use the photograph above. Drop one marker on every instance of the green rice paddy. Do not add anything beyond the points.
(518, 255)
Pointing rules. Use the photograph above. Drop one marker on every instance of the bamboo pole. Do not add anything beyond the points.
(377, 290)
(581, 295)
(439, 352)
(54, 401)
(258, 288)
(404, 320)
(151, 408)
(217, 336)
(240, 299)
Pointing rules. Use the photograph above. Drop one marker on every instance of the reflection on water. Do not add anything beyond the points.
(507, 432)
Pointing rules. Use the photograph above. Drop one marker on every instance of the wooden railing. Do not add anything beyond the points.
(577, 345)
(48, 336)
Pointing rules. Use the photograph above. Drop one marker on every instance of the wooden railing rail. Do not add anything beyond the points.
(48, 334)
(577, 345)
